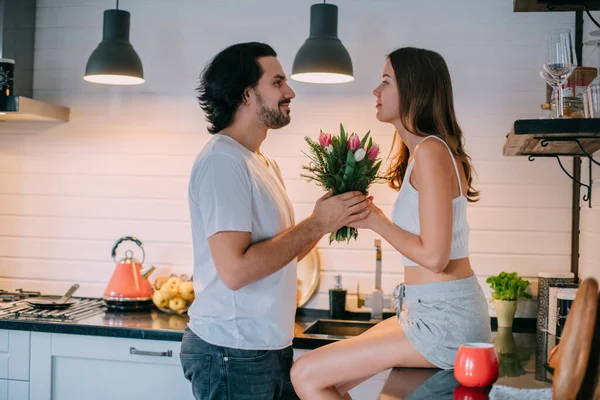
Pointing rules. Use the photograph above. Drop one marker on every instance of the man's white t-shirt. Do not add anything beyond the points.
(231, 189)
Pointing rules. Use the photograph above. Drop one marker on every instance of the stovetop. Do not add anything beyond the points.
(6, 296)
(14, 305)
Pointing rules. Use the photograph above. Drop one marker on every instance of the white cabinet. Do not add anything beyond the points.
(14, 355)
(14, 365)
(69, 367)
(48, 366)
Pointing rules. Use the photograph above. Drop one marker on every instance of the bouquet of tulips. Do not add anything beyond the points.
(343, 163)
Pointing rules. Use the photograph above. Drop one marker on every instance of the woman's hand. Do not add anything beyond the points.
(375, 216)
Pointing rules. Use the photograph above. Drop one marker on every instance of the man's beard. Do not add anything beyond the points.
(272, 118)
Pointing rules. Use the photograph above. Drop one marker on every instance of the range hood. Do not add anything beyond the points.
(17, 39)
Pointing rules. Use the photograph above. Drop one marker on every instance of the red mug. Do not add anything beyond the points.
(476, 364)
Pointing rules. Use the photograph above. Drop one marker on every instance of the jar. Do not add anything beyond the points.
(573, 91)
(572, 107)
(577, 83)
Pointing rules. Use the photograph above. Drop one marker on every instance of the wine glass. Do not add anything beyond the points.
(559, 60)
(554, 84)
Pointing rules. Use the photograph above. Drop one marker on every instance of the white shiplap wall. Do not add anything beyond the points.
(121, 165)
(589, 256)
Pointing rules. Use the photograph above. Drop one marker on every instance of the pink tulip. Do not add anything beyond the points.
(324, 139)
(353, 142)
(373, 152)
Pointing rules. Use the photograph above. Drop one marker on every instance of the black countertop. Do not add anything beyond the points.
(157, 325)
(153, 324)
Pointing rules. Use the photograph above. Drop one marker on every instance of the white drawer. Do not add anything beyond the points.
(75, 367)
(121, 349)
(14, 355)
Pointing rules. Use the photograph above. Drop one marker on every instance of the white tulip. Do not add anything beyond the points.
(329, 149)
(359, 154)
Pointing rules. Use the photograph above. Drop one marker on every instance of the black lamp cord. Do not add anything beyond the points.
(587, 10)
(117, 4)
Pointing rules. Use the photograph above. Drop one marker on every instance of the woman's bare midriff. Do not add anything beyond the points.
(456, 269)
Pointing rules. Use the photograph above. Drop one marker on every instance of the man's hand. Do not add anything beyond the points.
(333, 212)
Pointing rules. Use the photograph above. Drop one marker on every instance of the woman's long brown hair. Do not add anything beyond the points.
(426, 108)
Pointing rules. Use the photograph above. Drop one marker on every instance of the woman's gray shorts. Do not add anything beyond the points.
(441, 316)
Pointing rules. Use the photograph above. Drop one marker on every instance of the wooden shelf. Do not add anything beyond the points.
(22, 108)
(542, 137)
(553, 5)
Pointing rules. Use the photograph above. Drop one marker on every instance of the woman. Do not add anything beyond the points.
(445, 305)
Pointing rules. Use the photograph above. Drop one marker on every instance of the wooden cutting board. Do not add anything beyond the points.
(571, 358)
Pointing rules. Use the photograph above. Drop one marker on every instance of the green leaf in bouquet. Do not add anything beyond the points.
(338, 181)
(377, 166)
(329, 157)
(317, 152)
(343, 134)
(362, 170)
(311, 157)
(340, 154)
(364, 141)
(370, 143)
(335, 141)
(350, 165)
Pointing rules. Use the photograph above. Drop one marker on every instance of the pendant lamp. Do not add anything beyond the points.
(114, 61)
(323, 58)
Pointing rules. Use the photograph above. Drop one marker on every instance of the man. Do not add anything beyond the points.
(246, 244)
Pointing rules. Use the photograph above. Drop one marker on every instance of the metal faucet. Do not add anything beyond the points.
(376, 300)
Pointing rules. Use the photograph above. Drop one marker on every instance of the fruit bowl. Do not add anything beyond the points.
(173, 294)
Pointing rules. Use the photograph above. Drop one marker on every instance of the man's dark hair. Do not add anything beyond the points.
(226, 78)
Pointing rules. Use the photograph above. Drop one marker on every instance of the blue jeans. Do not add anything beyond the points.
(223, 373)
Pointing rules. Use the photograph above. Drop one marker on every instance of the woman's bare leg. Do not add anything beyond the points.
(345, 387)
(316, 374)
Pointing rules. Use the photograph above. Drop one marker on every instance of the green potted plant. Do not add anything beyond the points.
(506, 291)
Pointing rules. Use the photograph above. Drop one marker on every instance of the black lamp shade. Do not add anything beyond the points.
(323, 58)
(114, 61)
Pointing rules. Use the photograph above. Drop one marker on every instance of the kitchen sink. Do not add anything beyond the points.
(338, 328)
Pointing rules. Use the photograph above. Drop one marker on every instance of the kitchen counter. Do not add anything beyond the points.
(522, 352)
(155, 325)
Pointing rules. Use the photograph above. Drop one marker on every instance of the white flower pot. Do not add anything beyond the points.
(505, 312)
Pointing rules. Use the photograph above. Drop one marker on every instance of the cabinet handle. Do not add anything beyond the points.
(134, 351)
